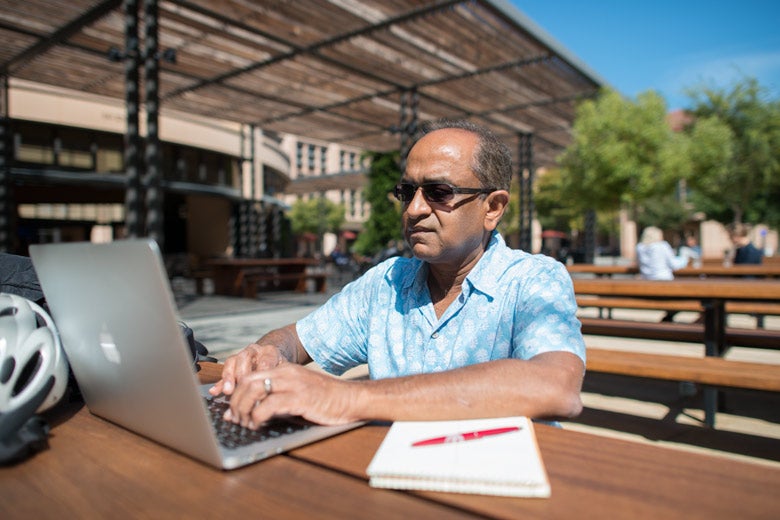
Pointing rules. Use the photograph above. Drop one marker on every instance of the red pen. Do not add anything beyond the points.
(467, 436)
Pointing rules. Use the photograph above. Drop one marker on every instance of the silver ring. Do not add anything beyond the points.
(267, 385)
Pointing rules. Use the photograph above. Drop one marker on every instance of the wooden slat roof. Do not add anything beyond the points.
(324, 69)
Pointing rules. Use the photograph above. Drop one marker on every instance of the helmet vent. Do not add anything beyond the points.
(8, 311)
(27, 374)
(7, 369)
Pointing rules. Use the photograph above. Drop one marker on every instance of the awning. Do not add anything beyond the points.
(347, 72)
(551, 233)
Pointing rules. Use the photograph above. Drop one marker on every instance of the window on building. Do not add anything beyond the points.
(323, 160)
(74, 148)
(109, 156)
(311, 150)
(352, 161)
(34, 143)
(299, 157)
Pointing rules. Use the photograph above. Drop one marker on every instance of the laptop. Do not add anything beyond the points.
(116, 315)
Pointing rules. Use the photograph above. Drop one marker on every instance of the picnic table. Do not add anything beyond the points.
(768, 270)
(95, 469)
(233, 276)
(713, 293)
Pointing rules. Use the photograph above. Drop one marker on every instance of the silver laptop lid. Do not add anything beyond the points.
(116, 315)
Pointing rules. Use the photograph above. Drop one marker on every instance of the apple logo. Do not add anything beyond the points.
(108, 346)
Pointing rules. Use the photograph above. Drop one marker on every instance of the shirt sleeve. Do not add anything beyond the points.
(674, 262)
(546, 314)
(335, 334)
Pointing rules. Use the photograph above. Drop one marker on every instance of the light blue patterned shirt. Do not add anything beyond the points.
(513, 305)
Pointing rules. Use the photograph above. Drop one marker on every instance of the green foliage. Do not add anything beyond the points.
(384, 223)
(317, 215)
(553, 210)
(623, 152)
(663, 211)
(735, 151)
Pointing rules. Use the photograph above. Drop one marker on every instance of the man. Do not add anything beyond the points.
(467, 328)
(745, 252)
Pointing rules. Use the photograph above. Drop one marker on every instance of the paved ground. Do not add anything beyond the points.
(636, 409)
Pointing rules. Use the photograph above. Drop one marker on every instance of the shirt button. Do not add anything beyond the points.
(435, 335)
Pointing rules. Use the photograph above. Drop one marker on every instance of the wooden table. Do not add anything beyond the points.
(740, 270)
(713, 293)
(602, 270)
(94, 469)
(228, 272)
(705, 271)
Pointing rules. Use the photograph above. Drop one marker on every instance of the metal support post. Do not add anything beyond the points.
(590, 236)
(252, 224)
(527, 209)
(133, 191)
(6, 157)
(408, 124)
(154, 193)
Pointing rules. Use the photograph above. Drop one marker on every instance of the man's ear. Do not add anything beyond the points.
(497, 203)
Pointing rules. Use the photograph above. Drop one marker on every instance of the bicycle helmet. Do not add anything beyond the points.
(33, 366)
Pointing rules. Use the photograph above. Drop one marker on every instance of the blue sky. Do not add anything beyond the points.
(667, 46)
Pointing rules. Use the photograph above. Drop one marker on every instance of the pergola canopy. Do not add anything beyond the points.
(335, 70)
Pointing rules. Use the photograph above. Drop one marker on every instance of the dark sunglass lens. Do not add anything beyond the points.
(438, 192)
(405, 192)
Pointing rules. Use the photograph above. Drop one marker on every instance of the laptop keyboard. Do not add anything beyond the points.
(233, 435)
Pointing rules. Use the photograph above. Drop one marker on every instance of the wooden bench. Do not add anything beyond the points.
(250, 279)
(685, 332)
(758, 309)
(708, 371)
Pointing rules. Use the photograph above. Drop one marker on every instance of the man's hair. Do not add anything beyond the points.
(492, 161)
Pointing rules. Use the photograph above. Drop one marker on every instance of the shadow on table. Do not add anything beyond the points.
(760, 406)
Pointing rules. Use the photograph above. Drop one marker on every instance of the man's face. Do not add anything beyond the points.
(449, 233)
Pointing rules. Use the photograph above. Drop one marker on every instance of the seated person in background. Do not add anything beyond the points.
(691, 251)
(466, 328)
(745, 252)
(656, 257)
(657, 260)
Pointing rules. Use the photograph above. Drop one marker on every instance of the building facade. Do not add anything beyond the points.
(226, 186)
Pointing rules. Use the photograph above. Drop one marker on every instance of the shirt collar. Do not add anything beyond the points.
(483, 277)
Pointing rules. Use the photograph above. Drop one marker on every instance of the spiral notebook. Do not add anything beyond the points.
(497, 456)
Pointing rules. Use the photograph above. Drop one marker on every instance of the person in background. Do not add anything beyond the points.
(656, 257)
(691, 251)
(745, 252)
(466, 328)
(657, 260)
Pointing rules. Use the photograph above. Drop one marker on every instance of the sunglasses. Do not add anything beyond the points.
(438, 192)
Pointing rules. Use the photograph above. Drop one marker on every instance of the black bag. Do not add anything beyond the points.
(198, 349)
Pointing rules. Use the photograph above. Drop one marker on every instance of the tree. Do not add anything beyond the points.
(735, 152)
(623, 153)
(384, 223)
(553, 210)
(317, 215)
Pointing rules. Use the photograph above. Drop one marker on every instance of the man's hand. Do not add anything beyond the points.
(294, 390)
(252, 358)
